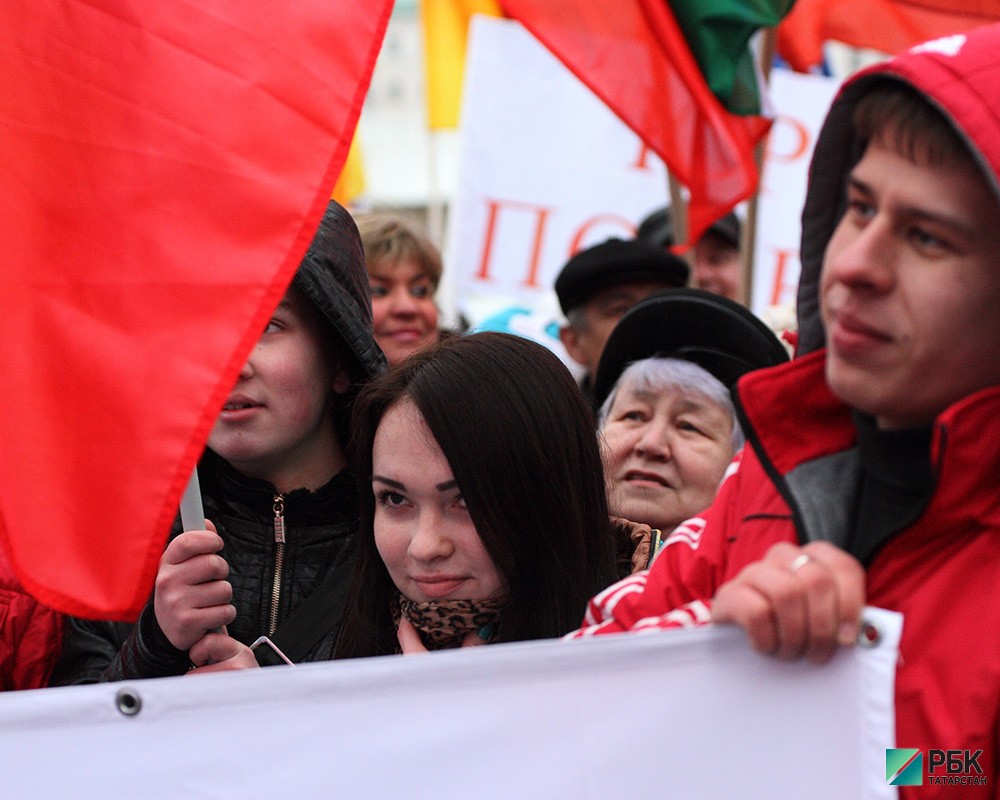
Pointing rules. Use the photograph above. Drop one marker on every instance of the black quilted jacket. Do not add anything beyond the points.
(320, 531)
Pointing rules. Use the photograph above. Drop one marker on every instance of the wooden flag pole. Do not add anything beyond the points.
(748, 242)
(679, 221)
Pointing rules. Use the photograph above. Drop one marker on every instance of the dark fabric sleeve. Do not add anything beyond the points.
(95, 651)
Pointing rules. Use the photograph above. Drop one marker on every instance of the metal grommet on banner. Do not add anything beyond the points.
(128, 702)
(869, 634)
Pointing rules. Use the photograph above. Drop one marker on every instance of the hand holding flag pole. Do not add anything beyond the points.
(193, 519)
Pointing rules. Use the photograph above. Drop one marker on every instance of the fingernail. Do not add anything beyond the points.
(848, 633)
(485, 632)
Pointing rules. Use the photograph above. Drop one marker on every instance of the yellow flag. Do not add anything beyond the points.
(446, 28)
(351, 181)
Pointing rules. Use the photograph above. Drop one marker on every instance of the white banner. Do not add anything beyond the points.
(686, 714)
(546, 169)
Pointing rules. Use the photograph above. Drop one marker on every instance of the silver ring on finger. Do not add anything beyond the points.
(799, 562)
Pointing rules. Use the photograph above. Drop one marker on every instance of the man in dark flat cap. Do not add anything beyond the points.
(599, 284)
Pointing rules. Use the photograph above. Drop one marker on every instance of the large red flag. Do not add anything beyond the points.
(633, 55)
(164, 166)
(890, 26)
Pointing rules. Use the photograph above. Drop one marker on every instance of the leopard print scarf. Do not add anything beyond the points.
(444, 624)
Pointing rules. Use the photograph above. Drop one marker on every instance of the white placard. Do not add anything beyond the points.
(545, 169)
(802, 102)
(686, 714)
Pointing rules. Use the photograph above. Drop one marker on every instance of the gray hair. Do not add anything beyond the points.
(658, 374)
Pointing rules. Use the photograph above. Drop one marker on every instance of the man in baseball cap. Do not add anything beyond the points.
(717, 264)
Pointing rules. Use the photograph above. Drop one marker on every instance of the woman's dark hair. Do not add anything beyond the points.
(520, 441)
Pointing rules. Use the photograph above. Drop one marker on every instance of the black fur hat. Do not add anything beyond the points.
(717, 334)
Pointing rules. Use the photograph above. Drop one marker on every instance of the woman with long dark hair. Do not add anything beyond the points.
(483, 510)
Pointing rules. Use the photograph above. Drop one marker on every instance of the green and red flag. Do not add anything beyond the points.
(635, 57)
(719, 33)
(165, 164)
(889, 26)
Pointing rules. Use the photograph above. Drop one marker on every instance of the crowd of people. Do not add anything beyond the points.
(375, 486)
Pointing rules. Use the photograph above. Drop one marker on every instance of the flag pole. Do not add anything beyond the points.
(192, 511)
(679, 221)
(435, 202)
(193, 519)
(748, 243)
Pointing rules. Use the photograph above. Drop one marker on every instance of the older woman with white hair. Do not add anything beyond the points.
(667, 421)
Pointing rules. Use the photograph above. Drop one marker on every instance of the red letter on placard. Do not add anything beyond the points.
(493, 213)
(781, 262)
(628, 228)
(797, 137)
(642, 157)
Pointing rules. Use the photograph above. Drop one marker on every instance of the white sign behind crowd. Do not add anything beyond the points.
(546, 169)
(801, 102)
(687, 714)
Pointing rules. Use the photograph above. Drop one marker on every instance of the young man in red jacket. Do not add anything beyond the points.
(872, 467)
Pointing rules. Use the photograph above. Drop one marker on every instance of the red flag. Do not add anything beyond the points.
(633, 56)
(164, 167)
(889, 26)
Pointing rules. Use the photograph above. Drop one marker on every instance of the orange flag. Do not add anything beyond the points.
(445, 25)
(889, 26)
(164, 167)
(633, 55)
(351, 182)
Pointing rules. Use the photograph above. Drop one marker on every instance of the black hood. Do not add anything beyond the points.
(334, 277)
